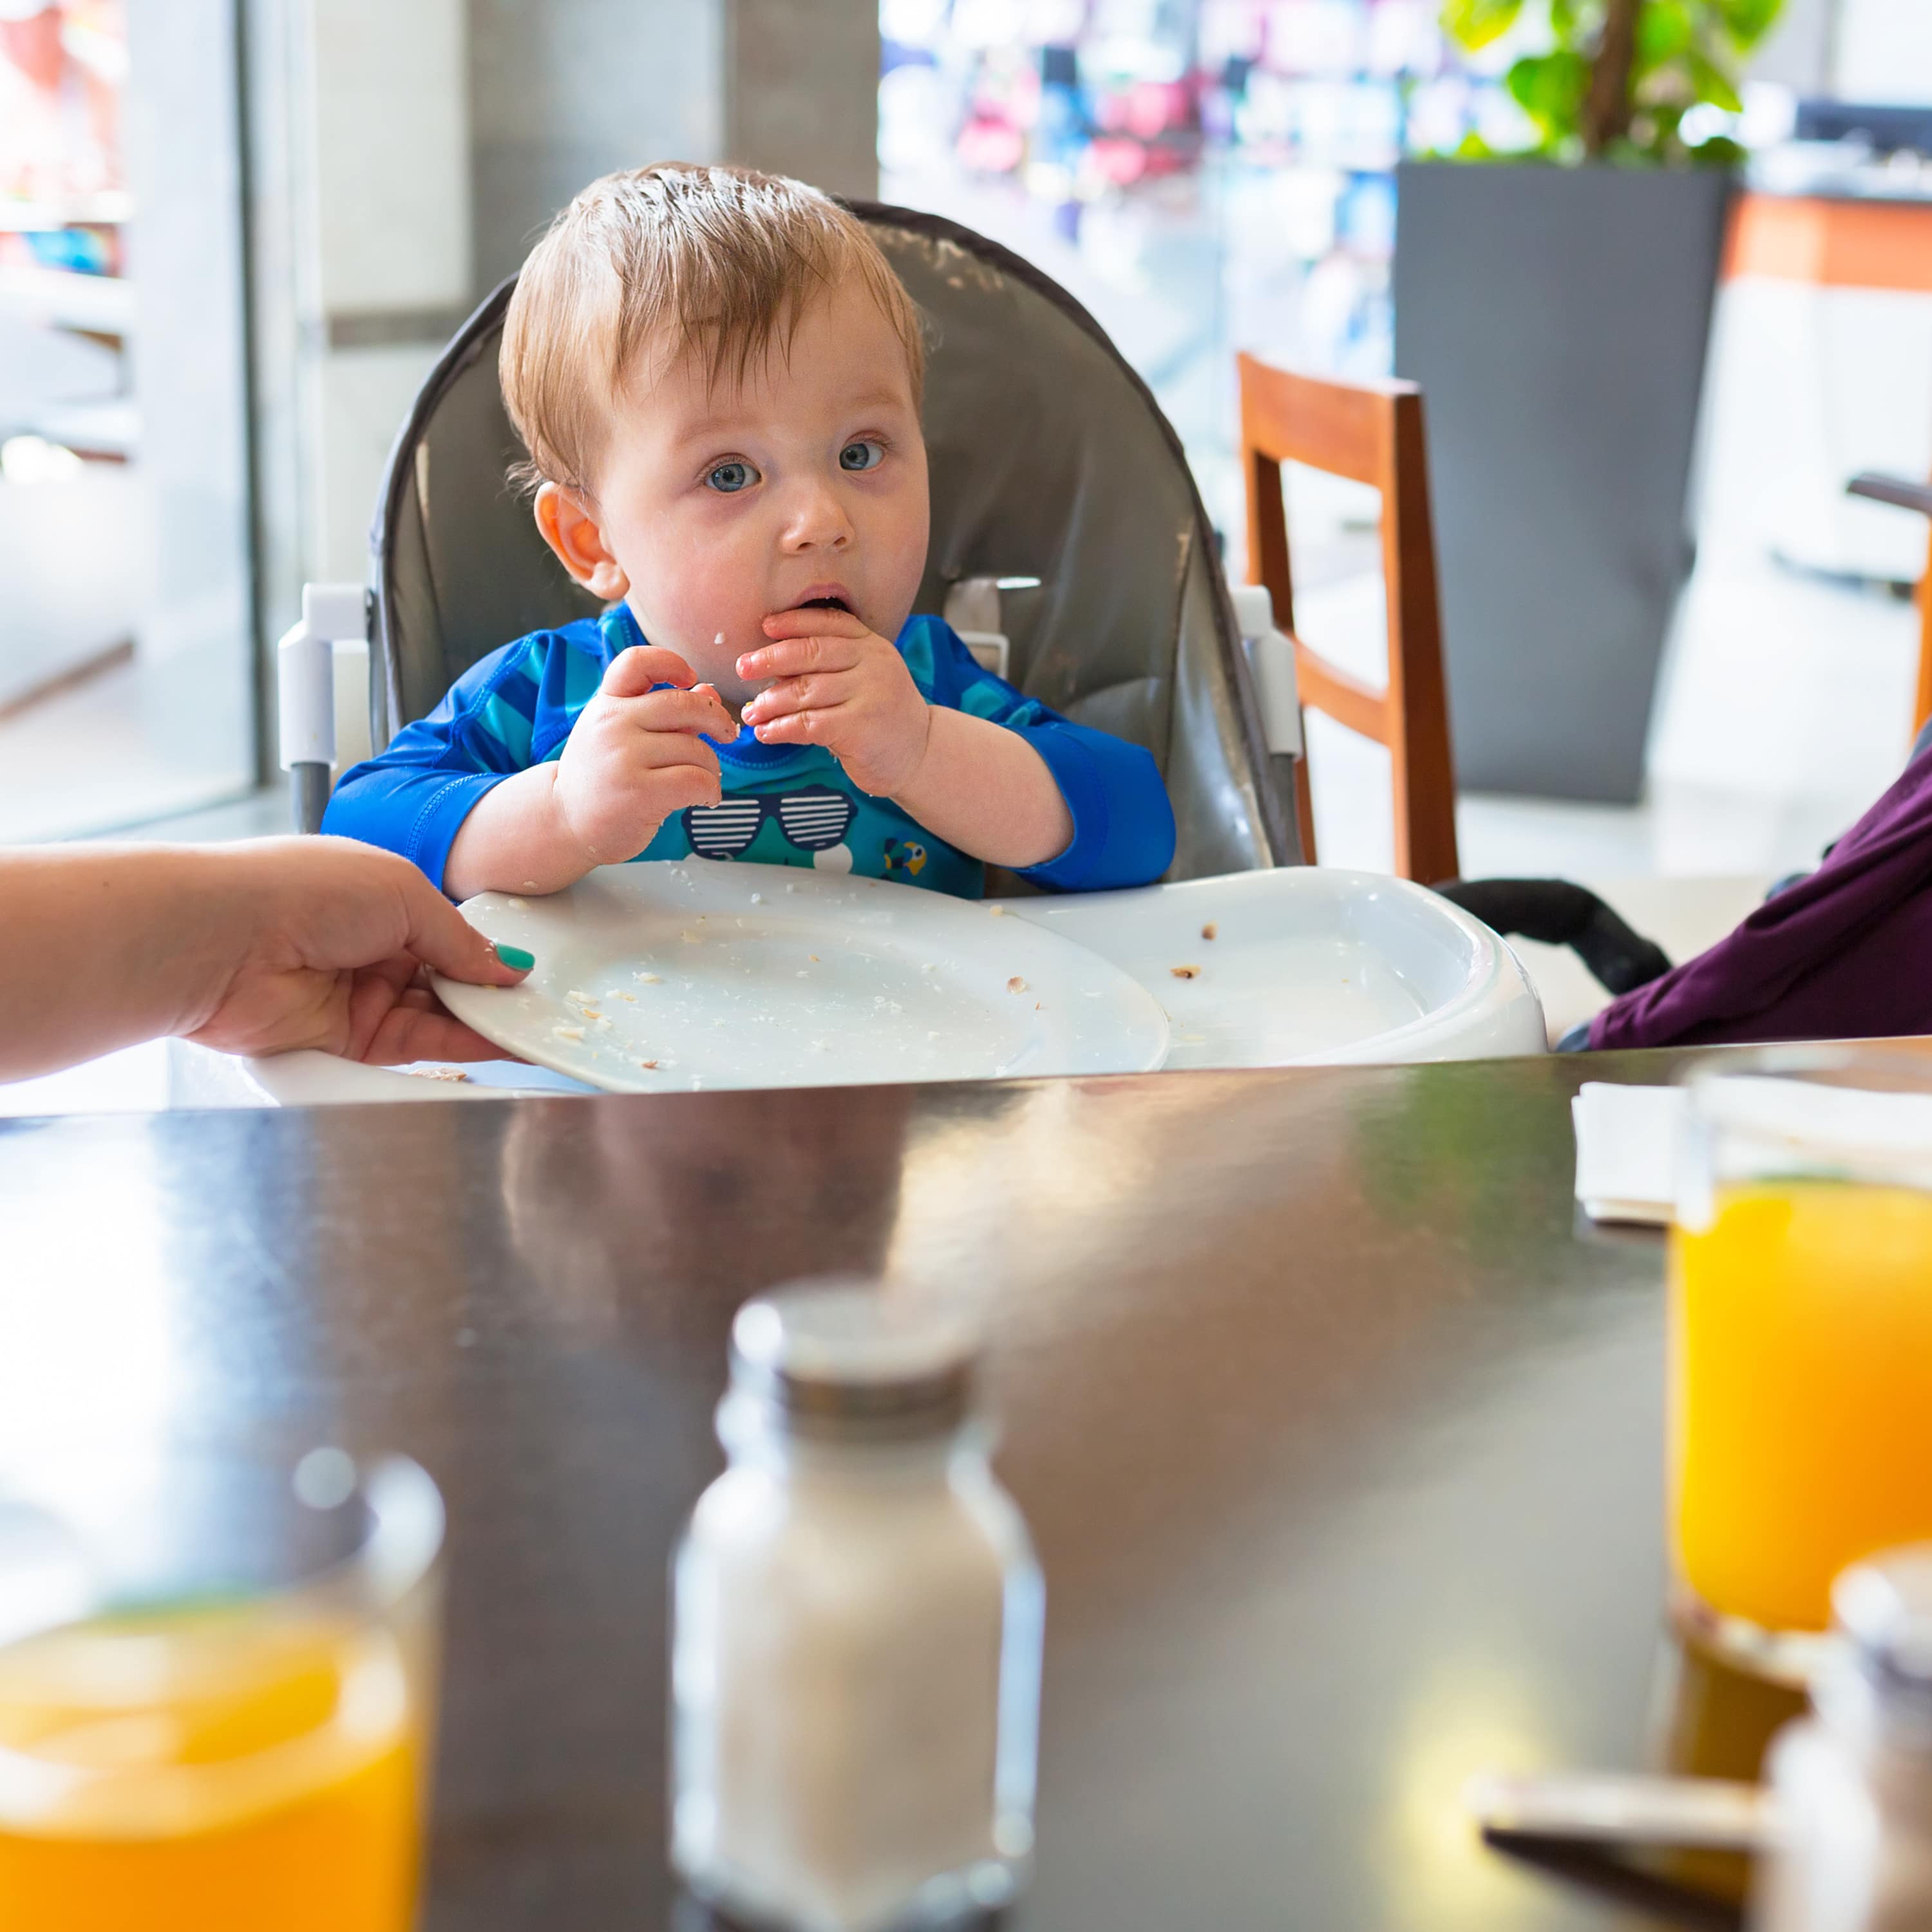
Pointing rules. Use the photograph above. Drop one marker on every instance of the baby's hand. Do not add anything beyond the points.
(842, 686)
(634, 756)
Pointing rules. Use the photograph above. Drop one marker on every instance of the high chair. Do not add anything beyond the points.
(1069, 547)
(1371, 433)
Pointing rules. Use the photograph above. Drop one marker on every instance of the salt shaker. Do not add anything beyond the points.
(1852, 1784)
(857, 1623)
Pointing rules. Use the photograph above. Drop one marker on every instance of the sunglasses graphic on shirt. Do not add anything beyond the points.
(814, 820)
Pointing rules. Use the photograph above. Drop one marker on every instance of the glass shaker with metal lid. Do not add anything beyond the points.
(857, 1625)
(1852, 1784)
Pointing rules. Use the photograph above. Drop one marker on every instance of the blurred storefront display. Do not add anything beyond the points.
(1205, 175)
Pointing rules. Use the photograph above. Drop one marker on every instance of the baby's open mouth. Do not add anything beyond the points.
(825, 604)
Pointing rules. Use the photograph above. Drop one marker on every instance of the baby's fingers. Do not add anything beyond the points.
(793, 657)
(631, 672)
(790, 695)
(683, 711)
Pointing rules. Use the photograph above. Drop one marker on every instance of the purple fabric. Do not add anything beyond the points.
(1845, 954)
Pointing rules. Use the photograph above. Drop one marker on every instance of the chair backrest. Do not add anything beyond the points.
(1372, 433)
(1049, 459)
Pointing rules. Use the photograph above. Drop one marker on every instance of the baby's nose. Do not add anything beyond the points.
(819, 521)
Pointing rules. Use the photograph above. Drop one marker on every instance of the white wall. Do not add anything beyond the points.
(1883, 51)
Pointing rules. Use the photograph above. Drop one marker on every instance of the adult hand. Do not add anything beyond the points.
(843, 686)
(635, 755)
(325, 941)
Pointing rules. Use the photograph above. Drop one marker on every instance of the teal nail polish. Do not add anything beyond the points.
(515, 957)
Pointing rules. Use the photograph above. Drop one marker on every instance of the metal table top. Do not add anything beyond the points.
(1341, 1439)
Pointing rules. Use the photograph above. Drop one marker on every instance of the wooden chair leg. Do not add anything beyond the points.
(1304, 806)
(1921, 708)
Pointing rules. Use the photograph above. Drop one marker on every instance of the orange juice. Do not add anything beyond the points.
(1800, 1332)
(209, 1771)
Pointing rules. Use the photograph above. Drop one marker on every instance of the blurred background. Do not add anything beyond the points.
(234, 234)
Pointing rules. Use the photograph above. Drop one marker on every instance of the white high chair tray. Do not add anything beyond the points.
(677, 975)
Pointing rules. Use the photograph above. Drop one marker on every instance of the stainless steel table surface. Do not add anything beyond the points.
(1340, 1437)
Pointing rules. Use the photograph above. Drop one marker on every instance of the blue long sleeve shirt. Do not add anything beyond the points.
(785, 805)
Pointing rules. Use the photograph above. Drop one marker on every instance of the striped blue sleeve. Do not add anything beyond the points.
(1123, 831)
(412, 798)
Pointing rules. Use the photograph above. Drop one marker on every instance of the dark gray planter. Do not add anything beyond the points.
(1557, 319)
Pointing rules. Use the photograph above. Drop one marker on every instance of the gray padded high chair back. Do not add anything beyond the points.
(1049, 460)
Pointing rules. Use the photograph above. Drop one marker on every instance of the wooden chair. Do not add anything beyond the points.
(1908, 495)
(1372, 433)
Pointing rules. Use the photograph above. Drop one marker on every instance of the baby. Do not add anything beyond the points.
(717, 377)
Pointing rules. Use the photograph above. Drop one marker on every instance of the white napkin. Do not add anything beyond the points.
(1627, 1141)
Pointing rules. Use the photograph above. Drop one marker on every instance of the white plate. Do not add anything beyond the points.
(735, 975)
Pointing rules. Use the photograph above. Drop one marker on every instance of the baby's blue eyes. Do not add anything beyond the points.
(728, 479)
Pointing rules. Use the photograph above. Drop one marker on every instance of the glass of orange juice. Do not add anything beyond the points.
(216, 1693)
(1800, 1340)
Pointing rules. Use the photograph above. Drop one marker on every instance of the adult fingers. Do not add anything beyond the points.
(793, 656)
(439, 936)
(408, 1029)
(631, 672)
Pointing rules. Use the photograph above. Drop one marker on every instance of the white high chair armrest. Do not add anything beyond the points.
(1271, 658)
(992, 650)
(309, 675)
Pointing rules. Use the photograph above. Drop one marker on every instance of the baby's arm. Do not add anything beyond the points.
(985, 790)
(634, 756)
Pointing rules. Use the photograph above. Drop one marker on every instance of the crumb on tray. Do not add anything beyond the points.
(1185, 972)
(1016, 984)
(575, 1033)
(438, 1073)
(1210, 931)
(651, 1064)
(998, 911)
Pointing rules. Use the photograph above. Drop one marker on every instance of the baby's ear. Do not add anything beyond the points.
(570, 526)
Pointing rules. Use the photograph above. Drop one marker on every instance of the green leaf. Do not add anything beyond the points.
(1663, 31)
(1474, 24)
(1747, 21)
(1711, 82)
(1563, 21)
(1550, 88)
(1719, 151)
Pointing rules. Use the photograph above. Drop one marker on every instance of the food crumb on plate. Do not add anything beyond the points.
(575, 1033)
(1210, 931)
(651, 1064)
(521, 905)
(1016, 984)
(578, 998)
(813, 957)
(438, 1073)
(998, 911)
(1185, 972)
(652, 979)
(631, 997)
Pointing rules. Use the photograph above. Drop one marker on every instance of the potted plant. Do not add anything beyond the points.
(1555, 304)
